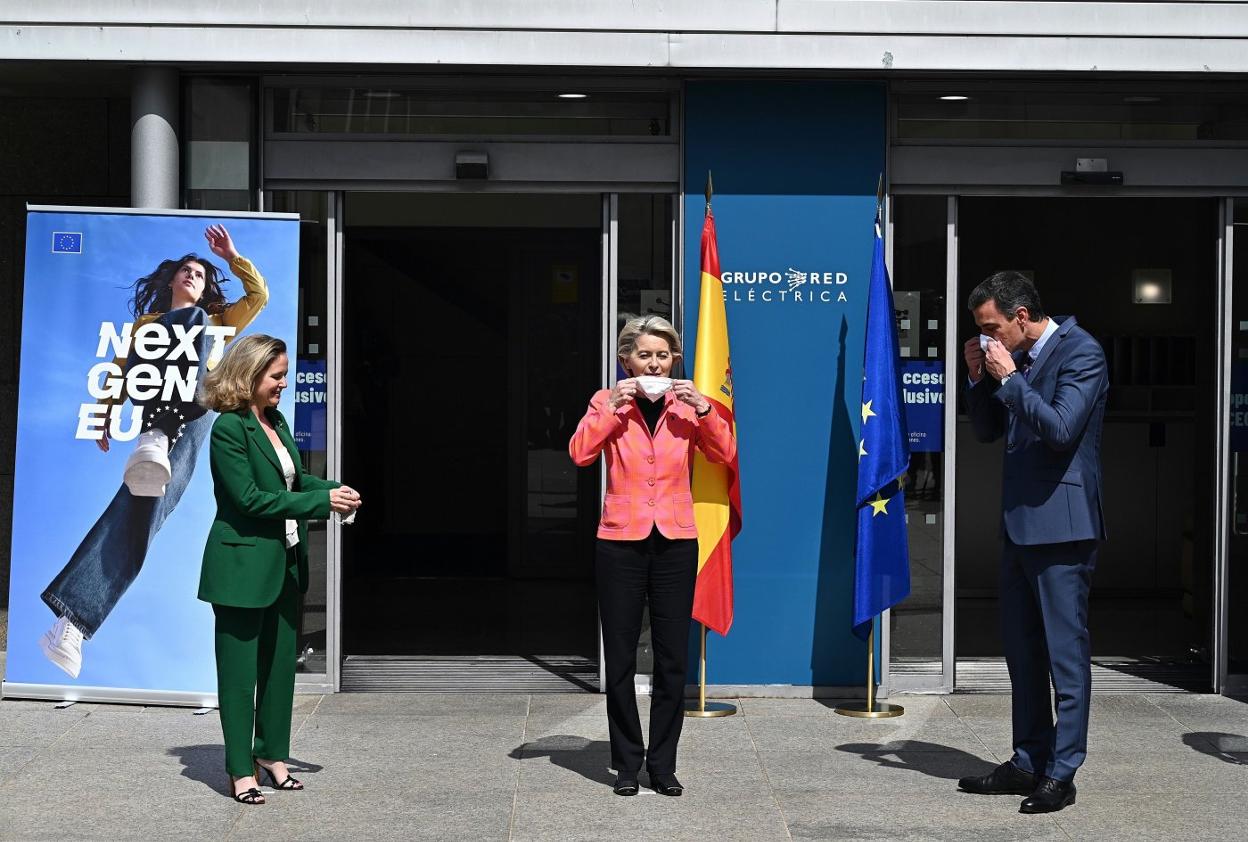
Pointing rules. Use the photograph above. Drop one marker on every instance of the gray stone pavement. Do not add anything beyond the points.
(486, 767)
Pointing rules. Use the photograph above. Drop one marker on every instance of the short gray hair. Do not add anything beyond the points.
(647, 326)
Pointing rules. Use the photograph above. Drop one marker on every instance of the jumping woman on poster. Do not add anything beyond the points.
(184, 296)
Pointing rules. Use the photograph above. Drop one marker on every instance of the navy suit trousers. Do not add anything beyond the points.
(1044, 619)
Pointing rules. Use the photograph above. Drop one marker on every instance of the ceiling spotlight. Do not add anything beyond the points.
(573, 96)
(954, 98)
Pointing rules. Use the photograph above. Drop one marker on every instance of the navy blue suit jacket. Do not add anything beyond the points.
(1051, 420)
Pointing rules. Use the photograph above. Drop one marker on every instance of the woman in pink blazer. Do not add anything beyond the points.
(647, 426)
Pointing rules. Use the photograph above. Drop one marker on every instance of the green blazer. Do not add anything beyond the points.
(245, 557)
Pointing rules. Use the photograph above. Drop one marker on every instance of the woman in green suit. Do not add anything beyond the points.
(256, 560)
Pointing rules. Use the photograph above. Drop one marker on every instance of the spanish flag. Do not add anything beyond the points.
(716, 488)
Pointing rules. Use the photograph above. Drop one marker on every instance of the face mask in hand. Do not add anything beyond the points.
(653, 387)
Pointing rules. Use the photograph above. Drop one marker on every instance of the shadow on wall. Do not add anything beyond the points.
(836, 547)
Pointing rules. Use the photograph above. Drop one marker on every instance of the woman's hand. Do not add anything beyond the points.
(344, 500)
(220, 243)
(685, 391)
(623, 392)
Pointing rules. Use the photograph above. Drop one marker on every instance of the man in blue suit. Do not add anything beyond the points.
(1041, 382)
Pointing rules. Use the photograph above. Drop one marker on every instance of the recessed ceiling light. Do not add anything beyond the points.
(573, 96)
(1141, 99)
(955, 98)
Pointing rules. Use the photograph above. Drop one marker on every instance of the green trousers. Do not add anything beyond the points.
(256, 677)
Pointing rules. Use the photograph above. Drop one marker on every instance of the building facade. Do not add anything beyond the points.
(486, 189)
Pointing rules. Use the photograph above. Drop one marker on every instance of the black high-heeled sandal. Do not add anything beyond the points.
(626, 784)
(251, 795)
(291, 784)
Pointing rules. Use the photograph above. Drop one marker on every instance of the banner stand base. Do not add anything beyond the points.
(106, 695)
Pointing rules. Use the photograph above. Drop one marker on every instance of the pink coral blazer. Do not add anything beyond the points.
(648, 476)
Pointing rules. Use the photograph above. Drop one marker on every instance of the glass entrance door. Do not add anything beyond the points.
(1142, 276)
(1233, 660)
(471, 341)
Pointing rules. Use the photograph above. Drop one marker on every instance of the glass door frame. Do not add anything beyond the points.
(946, 682)
(1223, 517)
(330, 680)
(610, 325)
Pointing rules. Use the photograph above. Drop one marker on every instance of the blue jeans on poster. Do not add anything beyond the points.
(110, 557)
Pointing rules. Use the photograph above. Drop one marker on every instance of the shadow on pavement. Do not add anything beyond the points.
(932, 759)
(590, 759)
(1229, 748)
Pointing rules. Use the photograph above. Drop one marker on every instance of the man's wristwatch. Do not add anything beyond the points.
(1006, 378)
(705, 412)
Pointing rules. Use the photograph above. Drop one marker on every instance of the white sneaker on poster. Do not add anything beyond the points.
(147, 469)
(62, 645)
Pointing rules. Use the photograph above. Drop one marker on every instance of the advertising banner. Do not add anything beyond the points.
(923, 388)
(310, 385)
(123, 312)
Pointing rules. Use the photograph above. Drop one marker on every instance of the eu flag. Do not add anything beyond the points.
(67, 242)
(881, 552)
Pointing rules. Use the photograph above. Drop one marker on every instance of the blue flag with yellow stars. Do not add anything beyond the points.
(881, 552)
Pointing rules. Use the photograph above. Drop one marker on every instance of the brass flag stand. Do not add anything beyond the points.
(703, 708)
(870, 709)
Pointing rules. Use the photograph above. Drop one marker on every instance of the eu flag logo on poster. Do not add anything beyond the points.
(67, 242)
(881, 552)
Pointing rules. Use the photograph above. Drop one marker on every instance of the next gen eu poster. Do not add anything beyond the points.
(123, 312)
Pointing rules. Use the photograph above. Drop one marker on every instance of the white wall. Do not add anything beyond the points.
(875, 35)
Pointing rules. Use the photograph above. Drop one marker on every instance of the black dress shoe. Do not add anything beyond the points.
(1006, 779)
(1050, 796)
(626, 784)
(666, 785)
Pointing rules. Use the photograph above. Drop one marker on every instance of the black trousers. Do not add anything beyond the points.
(630, 573)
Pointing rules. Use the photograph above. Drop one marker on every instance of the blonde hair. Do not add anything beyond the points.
(229, 386)
(647, 326)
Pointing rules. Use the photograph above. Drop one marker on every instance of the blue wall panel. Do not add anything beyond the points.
(795, 168)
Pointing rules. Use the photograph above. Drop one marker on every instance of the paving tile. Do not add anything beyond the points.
(112, 795)
(38, 727)
(1154, 816)
(13, 759)
(950, 818)
(1198, 772)
(867, 768)
(926, 706)
(377, 810)
(804, 733)
(648, 816)
(425, 704)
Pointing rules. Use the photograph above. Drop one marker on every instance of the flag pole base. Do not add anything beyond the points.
(860, 710)
(711, 709)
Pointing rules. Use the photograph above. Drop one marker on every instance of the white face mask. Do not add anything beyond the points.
(654, 386)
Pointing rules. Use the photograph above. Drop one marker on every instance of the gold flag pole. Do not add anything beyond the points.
(871, 709)
(703, 708)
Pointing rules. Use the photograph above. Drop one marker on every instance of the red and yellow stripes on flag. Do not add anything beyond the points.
(716, 488)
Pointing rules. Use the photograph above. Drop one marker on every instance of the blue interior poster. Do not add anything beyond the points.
(109, 340)
(923, 389)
